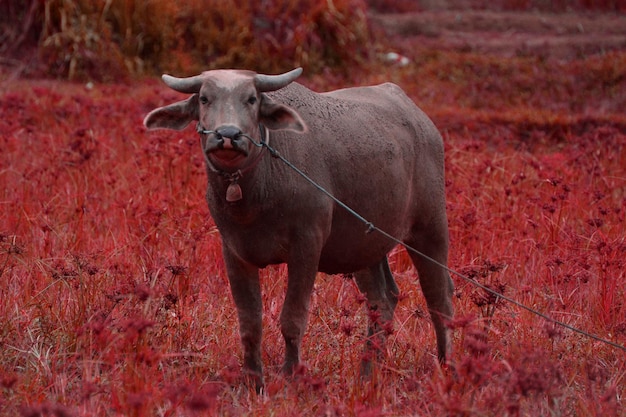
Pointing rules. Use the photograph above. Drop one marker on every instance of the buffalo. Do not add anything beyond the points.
(370, 147)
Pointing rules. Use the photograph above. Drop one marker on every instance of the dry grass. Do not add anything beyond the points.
(110, 40)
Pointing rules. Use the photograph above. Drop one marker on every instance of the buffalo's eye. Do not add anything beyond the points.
(252, 100)
(204, 100)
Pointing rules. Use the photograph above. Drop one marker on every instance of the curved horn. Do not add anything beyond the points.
(189, 85)
(265, 83)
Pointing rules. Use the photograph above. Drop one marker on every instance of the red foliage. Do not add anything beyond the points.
(114, 298)
(110, 40)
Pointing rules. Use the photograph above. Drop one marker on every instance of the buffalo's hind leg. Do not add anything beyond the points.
(379, 286)
(436, 283)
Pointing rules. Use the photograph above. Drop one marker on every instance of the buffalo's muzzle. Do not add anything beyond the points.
(230, 132)
(226, 138)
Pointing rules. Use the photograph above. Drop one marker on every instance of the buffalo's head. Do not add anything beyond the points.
(230, 106)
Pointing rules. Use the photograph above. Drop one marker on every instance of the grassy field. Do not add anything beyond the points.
(113, 295)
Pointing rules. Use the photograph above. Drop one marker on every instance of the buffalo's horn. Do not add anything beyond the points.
(190, 85)
(275, 82)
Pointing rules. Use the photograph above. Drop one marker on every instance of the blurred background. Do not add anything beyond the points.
(112, 40)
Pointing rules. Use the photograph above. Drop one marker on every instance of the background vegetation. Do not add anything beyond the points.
(110, 39)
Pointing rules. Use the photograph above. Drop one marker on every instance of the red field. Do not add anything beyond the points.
(113, 295)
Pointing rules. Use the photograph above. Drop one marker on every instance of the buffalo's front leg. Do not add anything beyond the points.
(302, 267)
(246, 291)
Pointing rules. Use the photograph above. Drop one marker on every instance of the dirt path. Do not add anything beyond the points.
(564, 35)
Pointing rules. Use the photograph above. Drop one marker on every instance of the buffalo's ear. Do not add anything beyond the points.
(277, 116)
(176, 116)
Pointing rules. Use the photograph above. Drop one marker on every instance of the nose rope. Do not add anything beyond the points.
(371, 228)
(264, 135)
(233, 191)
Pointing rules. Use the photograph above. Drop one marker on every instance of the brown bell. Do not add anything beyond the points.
(233, 192)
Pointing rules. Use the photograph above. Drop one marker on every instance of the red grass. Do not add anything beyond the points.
(114, 299)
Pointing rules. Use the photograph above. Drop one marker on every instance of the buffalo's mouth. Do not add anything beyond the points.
(227, 158)
(226, 152)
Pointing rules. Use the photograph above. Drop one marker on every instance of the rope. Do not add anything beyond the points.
(371, 227)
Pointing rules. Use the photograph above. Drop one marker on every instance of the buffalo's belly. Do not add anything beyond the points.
(342, 252)
(349, 253)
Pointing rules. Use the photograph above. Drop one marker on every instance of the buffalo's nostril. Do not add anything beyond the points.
(231, 132)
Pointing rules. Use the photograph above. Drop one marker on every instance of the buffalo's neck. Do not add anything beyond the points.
(253, 186)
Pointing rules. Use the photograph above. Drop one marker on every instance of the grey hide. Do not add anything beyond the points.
(371, 147)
